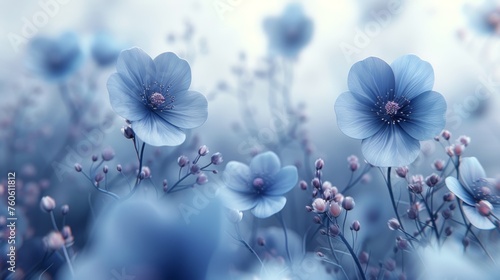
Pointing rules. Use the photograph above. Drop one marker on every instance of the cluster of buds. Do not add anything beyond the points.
(458, 148)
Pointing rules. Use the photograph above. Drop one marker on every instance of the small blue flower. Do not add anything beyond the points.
(260, 186)
(55, 59)
(391, 108)
(289, 33)
(474, 189)
(153, 96)
(105, 49)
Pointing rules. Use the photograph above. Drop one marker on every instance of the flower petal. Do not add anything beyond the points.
(190, 110)
(428, 116)
(157, 132)
(125, 102)
(476, 219)
(237, 176)
(237, 200)
(137, 67)
(355, 117)
(372, 78)
(391, 146)
(172, 72)
(268, 206)
(413, 76)
(265, 164)
(455, 187)
(284, 181)
(471, 171)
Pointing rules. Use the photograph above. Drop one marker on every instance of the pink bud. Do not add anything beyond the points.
(47, 203)
(203, 151)
(319, 205)
(53, 241)
(319, 164)
(182, 161)
(335, 209)
(356, 226)
(402, 171)
(393, 224)
(446, 134)
(484, 208)
(348, 203)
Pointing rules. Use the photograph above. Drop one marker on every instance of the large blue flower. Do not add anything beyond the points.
(260, 186)
(289, 33)
(55, 59)
(391, 108)
(474, 189)
(153, 96)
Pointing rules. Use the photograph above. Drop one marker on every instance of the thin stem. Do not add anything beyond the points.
(138, 178)
(431, 216)
(65, 251)
(282, 221)
(238, 232)
(394, 206)
(353, 255)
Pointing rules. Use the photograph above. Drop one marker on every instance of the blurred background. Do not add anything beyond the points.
(45, 116)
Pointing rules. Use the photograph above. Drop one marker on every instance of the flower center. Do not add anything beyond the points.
(391, 108)
(156, 99)
(258, 183)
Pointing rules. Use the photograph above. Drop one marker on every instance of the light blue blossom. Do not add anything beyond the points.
(290, 32)
(55, 59)
(260, 186)
(472, 188)
(105, 49)
(153, 96)
(391, 108)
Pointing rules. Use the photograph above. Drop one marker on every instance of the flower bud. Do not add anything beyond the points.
(108, 154)
(182, 161)
(439, 165)
(432, 180)
(390, 265)
(449, 196)
(448, 231)
(261, 241)
(402, 244)
(47, 203)
(338, 198)
(458, 149)
(195, 169)
(466, 242)
(216, 158)
(94, 158)
(464, 140)
(203, 151)
(98, 177)
(303, 185)
(363, 257)
(319, 164)
(128, 132)
(484, 208)
(348, 203)
(393, 224)
(105, 169)
(119, 168)
(317, 219)
(147, 172)
(334, 230)
(78, 167)
(449, 151)
(53, 241)
(65, 209)
(315, 182)
(309, 208)
(412, 213)
(356, 226)
(335, 209)
(402, 171)
(67, 235)
(319, 205)
(446, 134)
(201, 179)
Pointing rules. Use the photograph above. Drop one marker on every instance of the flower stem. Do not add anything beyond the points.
(282, 221)
(65, 251)
(394, 206)
(356, 260)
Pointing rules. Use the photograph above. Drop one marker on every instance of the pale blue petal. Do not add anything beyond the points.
(413, 76)
(284, 181)
(237, 176)
(428, 116)
(372, 78)
(268, 206)
(391, 146)
(137, 67)
(455, 187)
(476, 219)
(172, 72)
(471, 171)
(355, 117)
(156, 132)
(265, 164)
(237, 200)
(190, 110)
(125, 101)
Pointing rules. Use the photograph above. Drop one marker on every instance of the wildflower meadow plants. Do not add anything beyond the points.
(131, 162)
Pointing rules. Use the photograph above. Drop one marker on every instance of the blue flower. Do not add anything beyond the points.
(391, 108)
(474, 189)
(55, 59)
(289, 33)
(260, 186)
(153, 96)
(105, 49)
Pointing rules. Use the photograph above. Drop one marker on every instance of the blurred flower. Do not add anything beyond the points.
(290, 32)
(484, 18)
(53, 241)
(55, 59)
(105, 49)
(260, 186)
(153, 96)
(391, 108)
(477, 192)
